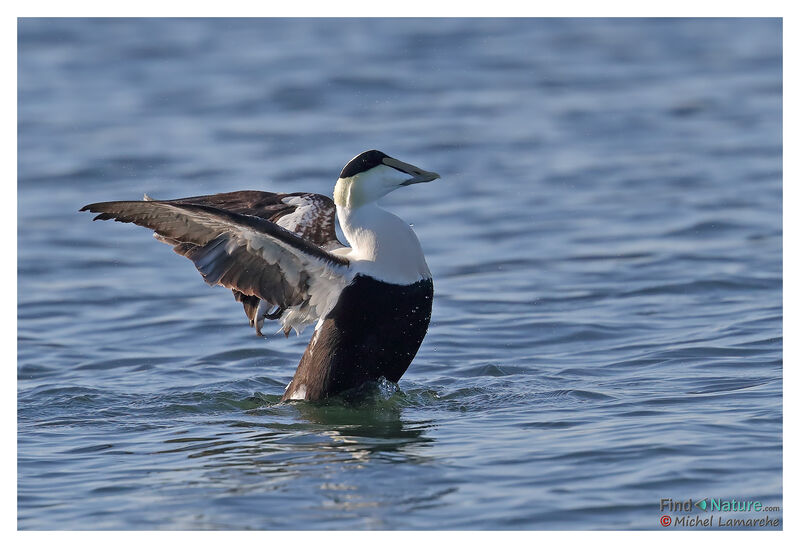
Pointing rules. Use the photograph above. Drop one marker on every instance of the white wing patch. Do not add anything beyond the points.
(325, 281)
(311, 219)
(302, 217)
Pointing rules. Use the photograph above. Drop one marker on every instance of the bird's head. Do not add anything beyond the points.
(372, 175)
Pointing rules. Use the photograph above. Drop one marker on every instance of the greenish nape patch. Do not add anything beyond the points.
(348, 192)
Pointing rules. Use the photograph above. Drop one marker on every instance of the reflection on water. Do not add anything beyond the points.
(333, 452)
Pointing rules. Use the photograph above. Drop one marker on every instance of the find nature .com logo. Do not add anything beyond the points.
(695, 513)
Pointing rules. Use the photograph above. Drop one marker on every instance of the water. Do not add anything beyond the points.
(605, 240)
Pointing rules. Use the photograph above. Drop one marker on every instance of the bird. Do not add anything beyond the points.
(370, 300)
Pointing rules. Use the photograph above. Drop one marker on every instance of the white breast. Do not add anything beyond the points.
(383, 246)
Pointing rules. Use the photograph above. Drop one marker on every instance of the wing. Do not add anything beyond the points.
(310, 216)
(254, 257)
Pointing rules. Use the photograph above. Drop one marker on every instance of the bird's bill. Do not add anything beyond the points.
(417, 175)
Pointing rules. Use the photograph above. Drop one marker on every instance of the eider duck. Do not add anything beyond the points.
(280, 256)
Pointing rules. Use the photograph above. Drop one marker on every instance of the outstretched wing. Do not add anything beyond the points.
(246, 253)
(310, 216)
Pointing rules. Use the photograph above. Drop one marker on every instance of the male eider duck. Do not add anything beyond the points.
(280, 255)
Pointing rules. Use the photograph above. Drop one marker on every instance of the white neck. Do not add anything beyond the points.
(382, 245)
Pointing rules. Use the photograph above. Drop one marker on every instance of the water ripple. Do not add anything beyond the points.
(606, 242)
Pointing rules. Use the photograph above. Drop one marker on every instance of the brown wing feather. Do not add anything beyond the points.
(212, 239)
(310, 216)
(316, 223)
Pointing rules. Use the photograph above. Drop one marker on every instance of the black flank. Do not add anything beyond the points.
(374, 331)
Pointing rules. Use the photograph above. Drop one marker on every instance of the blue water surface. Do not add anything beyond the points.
(605, 240)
